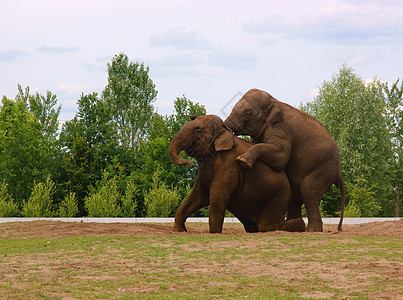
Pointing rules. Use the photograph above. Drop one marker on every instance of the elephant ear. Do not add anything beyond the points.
(274, 113)
(224, 142)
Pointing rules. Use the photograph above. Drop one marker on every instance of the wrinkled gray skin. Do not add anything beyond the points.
(288, 139)
(258, 197)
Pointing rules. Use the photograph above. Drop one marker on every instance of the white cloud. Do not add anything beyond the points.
(13, 55)
(234, 58)
(98, 65)
(345, 23)
(179, 38)
(68, 88)
(177, 60)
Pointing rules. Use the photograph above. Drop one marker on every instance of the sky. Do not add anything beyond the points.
(210, 51)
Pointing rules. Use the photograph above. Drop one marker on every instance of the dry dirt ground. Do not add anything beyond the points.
(334, 275)
(47, 229)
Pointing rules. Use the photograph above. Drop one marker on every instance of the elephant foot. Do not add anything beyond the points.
(314, 227)
(295, 225)
(178, 228)
(244, 161)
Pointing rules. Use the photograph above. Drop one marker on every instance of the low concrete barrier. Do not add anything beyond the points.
(191, 220)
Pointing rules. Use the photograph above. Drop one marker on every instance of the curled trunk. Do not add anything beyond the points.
(178, 144)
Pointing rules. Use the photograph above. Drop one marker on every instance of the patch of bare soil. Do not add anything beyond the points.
(47, 229)
(294, 271)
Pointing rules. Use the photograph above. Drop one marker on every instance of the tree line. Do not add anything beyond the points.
(111, 159)
(365, 119)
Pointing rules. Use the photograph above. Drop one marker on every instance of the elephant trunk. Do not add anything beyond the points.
(177, 145)
(233, 123)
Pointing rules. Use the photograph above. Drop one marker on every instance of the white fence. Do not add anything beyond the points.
(192, 220)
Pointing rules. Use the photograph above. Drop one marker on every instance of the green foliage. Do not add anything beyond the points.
(183, 109)
(25, 156)
(362, 195)
(8, 208)
(394, 117)
(129, 95)
(115, 194)
(160, 200)
(103, 201)
(129, 200)
(89, 140)
(356, 114)
(40, 203)
(330, 204)
(43, 108)
(353, 113)
(352, 210)
(68, 208)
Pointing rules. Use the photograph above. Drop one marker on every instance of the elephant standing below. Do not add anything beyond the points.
(258, 197)
(287, 138)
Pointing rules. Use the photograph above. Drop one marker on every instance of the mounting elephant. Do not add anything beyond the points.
(257, 197)
(288, 139)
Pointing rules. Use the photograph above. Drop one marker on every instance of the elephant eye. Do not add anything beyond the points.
(198, 131)
(248, 113)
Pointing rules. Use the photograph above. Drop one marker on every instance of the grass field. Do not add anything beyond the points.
(55, 260)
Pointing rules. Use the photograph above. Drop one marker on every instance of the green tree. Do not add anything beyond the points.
(43, 108)
(394, 117)
(362, 198)
(184, 108)
(129, 95)
(46, 111)
(89, 142)
(354, 113)
(24, 155)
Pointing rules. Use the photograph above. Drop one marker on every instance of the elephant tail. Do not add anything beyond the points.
(340, 184)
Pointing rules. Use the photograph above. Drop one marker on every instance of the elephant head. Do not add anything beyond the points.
(200, 138)
(254, 113)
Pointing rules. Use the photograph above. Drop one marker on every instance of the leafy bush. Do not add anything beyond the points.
(69, 206)
(352, 210)
(8, 208)
(129, 200)
(160, 200)
(361, 195)
(104, 200)
(40, 202)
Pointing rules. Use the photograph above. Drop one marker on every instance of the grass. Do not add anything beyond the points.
(255, 266)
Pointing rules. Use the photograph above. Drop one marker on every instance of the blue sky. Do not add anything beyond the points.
(210, 51)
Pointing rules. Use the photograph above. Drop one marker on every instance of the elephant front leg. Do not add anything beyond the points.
(246, 160)
(218, 203)
(195, 201)
(274, 155)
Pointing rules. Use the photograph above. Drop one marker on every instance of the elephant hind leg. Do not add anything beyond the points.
(313, 187)
(294, 206)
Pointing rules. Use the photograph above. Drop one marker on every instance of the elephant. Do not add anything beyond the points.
(286, 138)
(257, 197)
